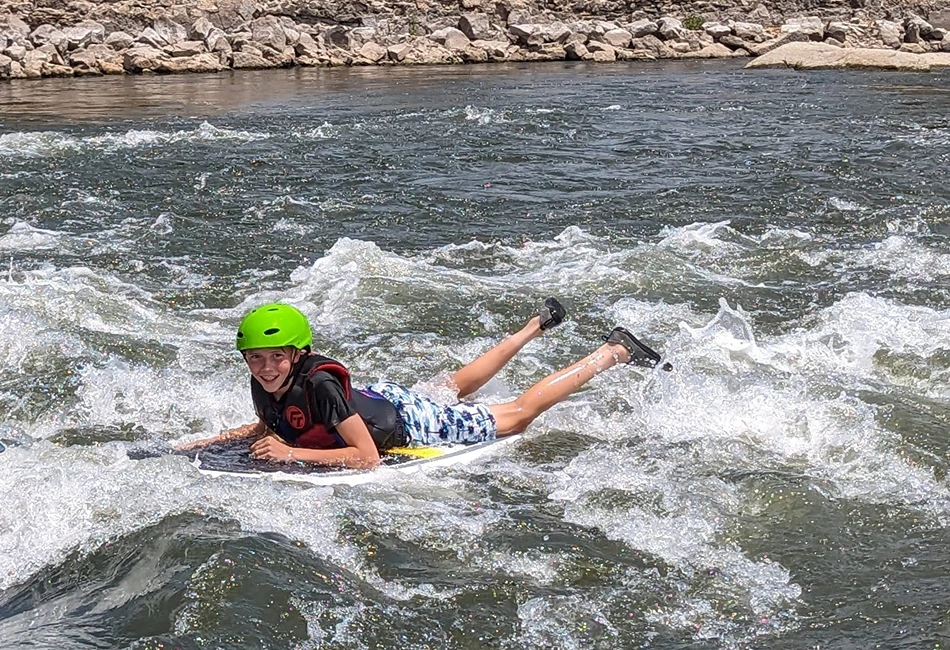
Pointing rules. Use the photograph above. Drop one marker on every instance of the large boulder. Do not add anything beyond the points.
(477, 27)
(249, 61)
(753, 32)
(812, 26)
(671, 29)
(48, 34)
(143, 58)
(819, 56)
(269, 31)
(641, 28)
(119, 40)
(891, 34)
(170, 31)
(85, 33)
(617, 38)
(451, 38)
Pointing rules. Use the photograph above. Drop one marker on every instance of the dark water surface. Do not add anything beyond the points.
(782, 237)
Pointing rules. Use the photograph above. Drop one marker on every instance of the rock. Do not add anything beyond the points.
(56, 70)
(918, 26)
(53, 55)
(680, 47)
(84, 34)
(373, 52)
(217, 41)
(913, 48)
(231, 14)
(714, 51)
(248, 61)
(811, 25)
(200, 29)
(15, 29)
(185, 49)
(654, 46)
(337, 37)
(939, 34)
(775, 43)
(151, 38)
(599, 47)
(143, 58)
(477, 27)
(527, 34)
(204, 62)
(556, 33)
(48, 34)
(307, 46)
(717, 30)
(671, 29)
(32, 64)
(472, 54)
(641, 28)
(6, 67)
(602, 56)
(617, 38)
(940, 19)
(451, 38)
(361, 35)
(576, 51)
(170, 31)
(937, 60)
(761, 15)
(16, 52)
(269, 31)
(749, 31)
(818, 56)
(119, 40)
(398, 52)
(84, 63)
(736, 43)
(838, 31)
(496, 50)
(890, 32)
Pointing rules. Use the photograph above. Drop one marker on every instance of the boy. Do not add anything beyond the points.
(309, 412)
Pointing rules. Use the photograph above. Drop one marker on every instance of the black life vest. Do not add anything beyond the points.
(291, 417)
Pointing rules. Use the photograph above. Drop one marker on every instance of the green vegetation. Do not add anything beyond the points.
(693, 22)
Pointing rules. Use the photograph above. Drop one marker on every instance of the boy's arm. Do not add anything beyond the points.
(360, 451)
(256, 429)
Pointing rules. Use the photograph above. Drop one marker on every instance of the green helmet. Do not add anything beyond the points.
(274, 326)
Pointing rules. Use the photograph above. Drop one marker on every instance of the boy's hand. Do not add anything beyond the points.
(194, 445)
(271, 448)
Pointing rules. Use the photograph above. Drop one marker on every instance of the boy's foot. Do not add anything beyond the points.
(552, 314)
(640, 354)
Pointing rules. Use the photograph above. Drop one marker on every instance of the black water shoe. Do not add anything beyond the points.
(552, 314)
(640, 354)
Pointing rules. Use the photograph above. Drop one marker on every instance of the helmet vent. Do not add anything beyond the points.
(271, 331)
(273, 309)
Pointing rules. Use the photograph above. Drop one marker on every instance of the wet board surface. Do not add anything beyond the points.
(233, 459)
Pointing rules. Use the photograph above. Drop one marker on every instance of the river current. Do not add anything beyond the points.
(783, 238)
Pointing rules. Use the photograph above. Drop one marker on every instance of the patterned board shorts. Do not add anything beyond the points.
(429, 423)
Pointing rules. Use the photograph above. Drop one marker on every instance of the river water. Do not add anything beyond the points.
(783, 238)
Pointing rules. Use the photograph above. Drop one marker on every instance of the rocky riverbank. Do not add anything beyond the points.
(48, 39)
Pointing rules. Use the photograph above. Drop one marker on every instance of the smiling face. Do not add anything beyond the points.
(270, 366)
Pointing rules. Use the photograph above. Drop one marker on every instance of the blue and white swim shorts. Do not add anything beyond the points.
(429, 423)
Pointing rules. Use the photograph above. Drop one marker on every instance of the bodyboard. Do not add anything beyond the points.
(233, 459)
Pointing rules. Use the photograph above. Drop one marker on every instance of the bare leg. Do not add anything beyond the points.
(473, 376)
(515, 416)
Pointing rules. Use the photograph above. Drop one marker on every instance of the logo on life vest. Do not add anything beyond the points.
(295, 417)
